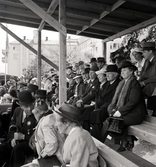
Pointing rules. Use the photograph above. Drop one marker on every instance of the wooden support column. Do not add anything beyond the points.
(62, 58)
(105, 50)
(39, 66)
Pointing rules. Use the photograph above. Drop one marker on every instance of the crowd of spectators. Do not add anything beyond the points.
(97, 90)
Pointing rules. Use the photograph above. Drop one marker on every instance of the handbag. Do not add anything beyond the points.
(115, 125)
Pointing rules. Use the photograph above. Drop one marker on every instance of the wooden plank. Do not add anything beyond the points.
(144, 132)
(62, 57)
(50, 11)
(46, 17)
(102, 15)
(145, 3)
(27, 45)
(151, 119)
(134, 28)
(113, 158)
(130, 155)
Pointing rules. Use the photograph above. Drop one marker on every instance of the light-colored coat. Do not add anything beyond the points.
(79, 149)
(48, 140)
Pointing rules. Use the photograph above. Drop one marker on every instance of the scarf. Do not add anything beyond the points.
(120, 95)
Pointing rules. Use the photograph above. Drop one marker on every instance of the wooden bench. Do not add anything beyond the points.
(122, 159)
(145, 131)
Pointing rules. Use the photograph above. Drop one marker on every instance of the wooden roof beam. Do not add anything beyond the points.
(82, 13)
(27, 45)
(151, 4)
(102, 15)
(88, 5)
(46, 17)
(130, 30)
(50, 11)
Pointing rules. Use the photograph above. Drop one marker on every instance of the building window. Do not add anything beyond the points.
(14, 48)
(96, 49)
(110, 46)
(114, 45)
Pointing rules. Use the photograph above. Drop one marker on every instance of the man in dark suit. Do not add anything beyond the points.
(104, 99)
(89, 96)
(148, 76)
(23, 122)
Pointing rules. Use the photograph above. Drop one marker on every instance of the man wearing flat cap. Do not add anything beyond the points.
(148, 77)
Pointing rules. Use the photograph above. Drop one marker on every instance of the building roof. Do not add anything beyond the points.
(103, 19)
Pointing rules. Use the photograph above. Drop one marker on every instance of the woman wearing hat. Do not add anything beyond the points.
(79, 149)
(128, 103)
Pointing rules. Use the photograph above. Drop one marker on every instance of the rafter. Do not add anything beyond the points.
(102, 15)
(151, 4)
(46, 17)
(50, 11)
(134, 28)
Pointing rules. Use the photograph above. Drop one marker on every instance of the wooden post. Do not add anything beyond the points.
(62, 58)
(39, 66)
(105, 50)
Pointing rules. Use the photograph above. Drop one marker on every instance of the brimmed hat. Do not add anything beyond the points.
(40, 93)
(41, 105)
(22, 84)
(138, 50)
(112, 68)
(68, 111)
(127, 64)
(81, 63)
(32, 87)
(70, 67)
(149, 46)
(102, 71)
(86, 71)
(94, 68)
(78, 76)
(101, 59)
(93, 59)
(25, 97)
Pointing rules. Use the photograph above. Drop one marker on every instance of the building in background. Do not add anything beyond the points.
(83, 48)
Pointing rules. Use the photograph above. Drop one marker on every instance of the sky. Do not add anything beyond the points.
(22, 31)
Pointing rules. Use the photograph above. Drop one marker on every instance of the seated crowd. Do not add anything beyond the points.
(95, 91)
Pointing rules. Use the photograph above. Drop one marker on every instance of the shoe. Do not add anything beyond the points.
(121, 149)
(130, 146)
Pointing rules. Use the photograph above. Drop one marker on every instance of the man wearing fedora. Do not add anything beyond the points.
(23, 122)
(101, 63)
(99, 116)
(148, 76)
(93, 62)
